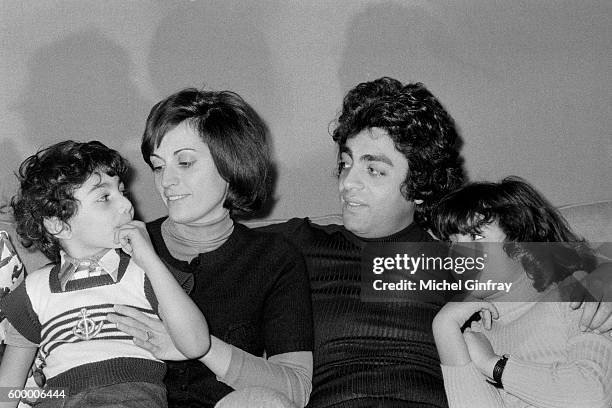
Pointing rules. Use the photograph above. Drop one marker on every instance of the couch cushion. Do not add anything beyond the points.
(593, 221)
(32, 258)
(320, 220)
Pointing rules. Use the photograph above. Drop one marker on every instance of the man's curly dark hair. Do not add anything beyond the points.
(421, 130)
(48, 180)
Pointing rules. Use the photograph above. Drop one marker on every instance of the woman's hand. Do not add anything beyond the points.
(148, 333)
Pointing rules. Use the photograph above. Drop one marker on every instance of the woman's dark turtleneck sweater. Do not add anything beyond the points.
(253, 291)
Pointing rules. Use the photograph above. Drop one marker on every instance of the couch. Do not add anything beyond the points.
(593, 221)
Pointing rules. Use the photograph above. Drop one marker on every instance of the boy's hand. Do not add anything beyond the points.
(134, 240)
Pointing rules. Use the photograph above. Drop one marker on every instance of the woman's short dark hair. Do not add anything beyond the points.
(235, 134)
(526, 218)
(48, 180)
(421, 130)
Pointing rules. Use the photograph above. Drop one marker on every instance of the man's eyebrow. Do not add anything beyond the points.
(376, 158)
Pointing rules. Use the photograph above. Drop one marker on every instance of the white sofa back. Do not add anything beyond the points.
(593, 221)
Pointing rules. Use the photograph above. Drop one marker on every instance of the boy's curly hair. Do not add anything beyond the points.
(48, 180)
(421, 129)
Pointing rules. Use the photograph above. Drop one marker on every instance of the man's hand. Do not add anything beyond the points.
(594, 292)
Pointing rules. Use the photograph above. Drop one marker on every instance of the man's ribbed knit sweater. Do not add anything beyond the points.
(367, 354)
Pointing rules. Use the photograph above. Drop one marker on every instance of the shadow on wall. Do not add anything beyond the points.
(406, 43)
(79, 88)
(217, 46)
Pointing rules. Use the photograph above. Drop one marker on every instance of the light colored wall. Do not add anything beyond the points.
(528, 82)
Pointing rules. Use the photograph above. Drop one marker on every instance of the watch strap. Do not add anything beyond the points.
(498, 370)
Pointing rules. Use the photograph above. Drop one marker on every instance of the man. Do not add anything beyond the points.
(397, 158)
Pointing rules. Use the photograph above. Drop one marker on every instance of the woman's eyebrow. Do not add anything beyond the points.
(190, 149)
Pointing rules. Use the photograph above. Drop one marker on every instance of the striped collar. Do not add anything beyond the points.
(105, 263)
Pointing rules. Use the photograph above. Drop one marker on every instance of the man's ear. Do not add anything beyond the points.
(57, 227)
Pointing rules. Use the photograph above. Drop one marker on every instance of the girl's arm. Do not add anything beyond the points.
(464, 384)
(182, 318)
(447, 329)
(16, 363)
(583, 378)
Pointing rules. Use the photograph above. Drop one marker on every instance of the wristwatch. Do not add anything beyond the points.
(498, 370)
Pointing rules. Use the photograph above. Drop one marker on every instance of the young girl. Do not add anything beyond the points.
(533, 353)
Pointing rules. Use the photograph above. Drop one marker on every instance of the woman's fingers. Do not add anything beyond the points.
(133, 313)
(128, 325)
(133, 322)
(145, 345)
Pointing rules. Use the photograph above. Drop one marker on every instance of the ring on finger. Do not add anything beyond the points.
(149, 335)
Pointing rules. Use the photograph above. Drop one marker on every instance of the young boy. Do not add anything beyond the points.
(72, 206)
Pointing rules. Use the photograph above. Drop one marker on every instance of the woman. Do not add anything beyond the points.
(211, 162)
